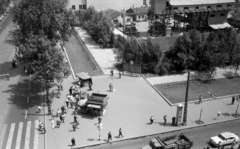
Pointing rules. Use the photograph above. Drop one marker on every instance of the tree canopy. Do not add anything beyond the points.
(45, 17)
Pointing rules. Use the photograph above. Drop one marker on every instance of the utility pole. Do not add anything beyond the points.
(186, 102)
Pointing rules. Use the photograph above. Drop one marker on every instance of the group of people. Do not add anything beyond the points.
(164, 119)
(119, 134)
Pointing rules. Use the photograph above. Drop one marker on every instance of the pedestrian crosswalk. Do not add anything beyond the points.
(22, 135)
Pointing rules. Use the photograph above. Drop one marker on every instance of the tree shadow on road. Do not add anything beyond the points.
(22, 97)
(6, 68)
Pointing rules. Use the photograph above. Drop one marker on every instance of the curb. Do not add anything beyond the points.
(158, 133)
(73, 74)
(157, 91)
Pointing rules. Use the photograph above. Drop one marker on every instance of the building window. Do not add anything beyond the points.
(144, 2)
(175, 7)
(208, 6)
(196, 7)
(223, 14)
(212, 15)
(73, 7)
(80, 6)
(185, 7)
(143, 16)
(84, 6)
(229, 5)
(219, 5)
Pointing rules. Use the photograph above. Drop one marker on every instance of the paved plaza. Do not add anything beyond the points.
(130, 108)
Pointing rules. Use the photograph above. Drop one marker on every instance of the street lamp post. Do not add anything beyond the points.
(186, 102)
(99, 126)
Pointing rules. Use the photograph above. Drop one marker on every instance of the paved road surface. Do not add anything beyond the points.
(18, 117)
(200, 136)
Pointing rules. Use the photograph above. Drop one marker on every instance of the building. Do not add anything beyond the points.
(138, 13)
(117, 16)
(194, 13)
(101, 5)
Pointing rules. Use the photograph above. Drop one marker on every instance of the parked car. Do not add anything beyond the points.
(226, 138)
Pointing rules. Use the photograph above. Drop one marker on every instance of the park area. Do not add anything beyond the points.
(175, 92)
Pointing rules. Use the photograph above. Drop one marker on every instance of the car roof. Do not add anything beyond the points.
(228, 134)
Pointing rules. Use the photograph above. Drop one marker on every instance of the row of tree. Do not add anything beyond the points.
(204, 52)
(98, 26)
(193, 50)
(41, 26)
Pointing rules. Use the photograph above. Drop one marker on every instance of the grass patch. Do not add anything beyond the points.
(175, 92)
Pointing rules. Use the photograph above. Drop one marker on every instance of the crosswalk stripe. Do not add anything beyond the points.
(27, 138)
(18, 142)
(4, 128)
(35, 135)
(10, 137)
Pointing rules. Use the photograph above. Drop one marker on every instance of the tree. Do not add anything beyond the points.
(235, 55)
(47, 17)
(42, 24)
(216, 53)
(45, 60)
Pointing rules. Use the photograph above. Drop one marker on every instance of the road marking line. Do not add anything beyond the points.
(27, 99)
(10, 137)
(25, 114)
(18, 142)
(4, 128)
(36, 135)
(27, 138)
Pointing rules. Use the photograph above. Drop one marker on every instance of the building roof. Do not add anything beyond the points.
(111, 13)
(138, 10)
(199, 2)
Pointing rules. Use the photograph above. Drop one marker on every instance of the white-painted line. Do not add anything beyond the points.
(10, 137)
(27, 99)
(25, 114)
(35, 144)
(19, 135)
(4, 128)
(27, 138)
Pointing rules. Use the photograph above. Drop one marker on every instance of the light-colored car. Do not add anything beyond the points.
(226, 138)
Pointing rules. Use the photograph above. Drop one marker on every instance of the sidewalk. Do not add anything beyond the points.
(130, 107)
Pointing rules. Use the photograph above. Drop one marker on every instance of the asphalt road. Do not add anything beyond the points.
(19, 98)
(200, 136)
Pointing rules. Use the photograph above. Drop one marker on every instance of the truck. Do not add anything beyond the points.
(170, 142)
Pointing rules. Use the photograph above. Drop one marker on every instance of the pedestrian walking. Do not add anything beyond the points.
(67, 103)
(151, 120)
(58, 123)
(109, 136)
(65, 109)
(233, 144)
(111, 87)
(112, 72)
(99, 120)
(200, 99)
(53, 125)
(120, 133)
(165, 120)
(233, 99)
(75, 118)
(73, 142)
(70, 91)
(120, 75)
(39, 109)
(7, 76)
(58, 113)
(61, 86)
(71, 104)
(75, 126)
(90, 86)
